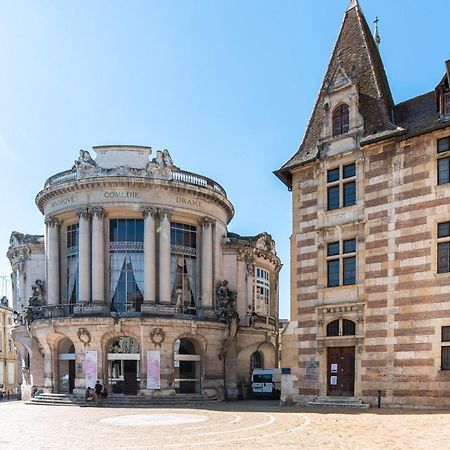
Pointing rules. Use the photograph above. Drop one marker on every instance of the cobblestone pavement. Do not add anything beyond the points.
(242, 425)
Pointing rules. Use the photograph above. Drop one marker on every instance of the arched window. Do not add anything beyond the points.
(256, 361)
(348, 327)
(340, 120)
(333, 328)
(341, 327)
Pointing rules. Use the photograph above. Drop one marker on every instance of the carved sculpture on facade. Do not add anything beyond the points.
(226, 311)
(36, 303)
(84, 164)
(161, 166)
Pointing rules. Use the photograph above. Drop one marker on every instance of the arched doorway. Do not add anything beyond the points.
(124, 366)
(186, 367)
(256, 361)
(66, 366)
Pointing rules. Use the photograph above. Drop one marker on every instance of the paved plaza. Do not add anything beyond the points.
(244, 425)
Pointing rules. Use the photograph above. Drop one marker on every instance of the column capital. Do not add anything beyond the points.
(206, 222)
(83, 212)
(152, 212)
(165, 212)
(96, 211)
(52, 221)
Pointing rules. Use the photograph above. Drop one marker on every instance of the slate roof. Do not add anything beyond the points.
(355, 52)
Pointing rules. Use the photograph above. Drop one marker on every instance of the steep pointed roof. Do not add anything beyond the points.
(357, 54)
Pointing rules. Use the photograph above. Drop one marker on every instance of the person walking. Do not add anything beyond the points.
(98, 393)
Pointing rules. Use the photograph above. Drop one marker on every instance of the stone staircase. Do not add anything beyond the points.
(338, 402)
(124, 401)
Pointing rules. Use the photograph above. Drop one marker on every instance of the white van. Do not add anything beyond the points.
(266, 383)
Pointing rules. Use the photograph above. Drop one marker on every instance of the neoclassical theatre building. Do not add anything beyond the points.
(370, 244)
(137, 283)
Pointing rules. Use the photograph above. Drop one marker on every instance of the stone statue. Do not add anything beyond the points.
(226, 311)
(84, 164)
(37, 298)
(26, 375)
(161, 166)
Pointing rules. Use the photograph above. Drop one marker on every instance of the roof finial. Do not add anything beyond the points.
(376, 35)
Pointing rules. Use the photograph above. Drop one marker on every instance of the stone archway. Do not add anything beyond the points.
(124, 359)
(66, 366)
(187, 366)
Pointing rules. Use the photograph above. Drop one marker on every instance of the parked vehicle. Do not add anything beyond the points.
(266, 383)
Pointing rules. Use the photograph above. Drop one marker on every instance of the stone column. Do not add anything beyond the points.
(164, 256)
(219, 234)
(98, 256)
(150, 255)
(206, 262)
(53, 282)
(84, 252)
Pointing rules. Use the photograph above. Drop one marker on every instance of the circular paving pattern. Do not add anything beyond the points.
(139, 420)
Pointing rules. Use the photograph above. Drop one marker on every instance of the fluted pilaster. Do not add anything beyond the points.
(53, 281)
(84, 252)
(98, 256)
(206, 262)
(164, 255)
(150, 255)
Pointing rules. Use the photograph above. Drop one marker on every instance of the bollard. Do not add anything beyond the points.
(378, 399)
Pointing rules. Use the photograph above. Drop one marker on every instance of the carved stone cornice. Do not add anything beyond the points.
(97, 211)
(165, 213)
(83, 213)
(153, 184)
(52, 221)
(152, 212)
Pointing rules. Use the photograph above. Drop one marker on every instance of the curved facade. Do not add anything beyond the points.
(138, 283)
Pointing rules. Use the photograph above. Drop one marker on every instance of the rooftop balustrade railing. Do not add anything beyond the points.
(179, 176)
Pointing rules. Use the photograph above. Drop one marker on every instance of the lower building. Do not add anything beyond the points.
(138, 283)
(8, 358)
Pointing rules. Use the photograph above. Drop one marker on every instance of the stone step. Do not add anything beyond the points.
(338, 402)
(121, 401)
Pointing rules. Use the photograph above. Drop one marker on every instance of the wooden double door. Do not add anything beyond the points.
(341, 371)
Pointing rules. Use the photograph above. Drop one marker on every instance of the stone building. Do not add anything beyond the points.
(138, 283)
(370, 261)
(8, 358)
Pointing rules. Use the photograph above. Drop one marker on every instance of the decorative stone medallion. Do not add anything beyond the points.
(157, 336)
(84, 336)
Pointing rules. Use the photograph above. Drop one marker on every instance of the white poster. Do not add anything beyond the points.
(334, 368)
(333, 380)
(153, 370)
(90, 368)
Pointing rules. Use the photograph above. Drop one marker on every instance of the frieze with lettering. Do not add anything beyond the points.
(189, 201)
(120, 194)
(62, 201)
(339, 309)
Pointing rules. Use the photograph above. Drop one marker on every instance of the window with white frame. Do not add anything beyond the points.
(126, 256)
(443, 161)
(261, 303)
(183, 271)
(341, 263)
(445, 348)
(72, 235)
(341, 187)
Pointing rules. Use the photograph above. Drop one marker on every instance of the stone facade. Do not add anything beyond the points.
(8, 356)
(396, 307)
(138, 278)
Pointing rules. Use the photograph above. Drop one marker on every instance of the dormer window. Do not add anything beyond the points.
(340, 120)
(447, 104)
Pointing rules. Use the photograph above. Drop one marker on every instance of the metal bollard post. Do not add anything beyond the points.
(378, 399)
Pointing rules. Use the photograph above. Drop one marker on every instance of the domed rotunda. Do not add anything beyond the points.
(138, 283)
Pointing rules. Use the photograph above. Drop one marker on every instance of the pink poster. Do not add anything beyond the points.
(90, 368)
(153, 370)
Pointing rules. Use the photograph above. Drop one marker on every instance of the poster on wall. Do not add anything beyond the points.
(90, 368)
(334, 368)
(153, 370)
(333, 380)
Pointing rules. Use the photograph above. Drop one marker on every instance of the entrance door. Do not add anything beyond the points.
(130, 384)
(71, 375)
(341, 371)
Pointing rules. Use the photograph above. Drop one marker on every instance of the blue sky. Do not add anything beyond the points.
(227, 87)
